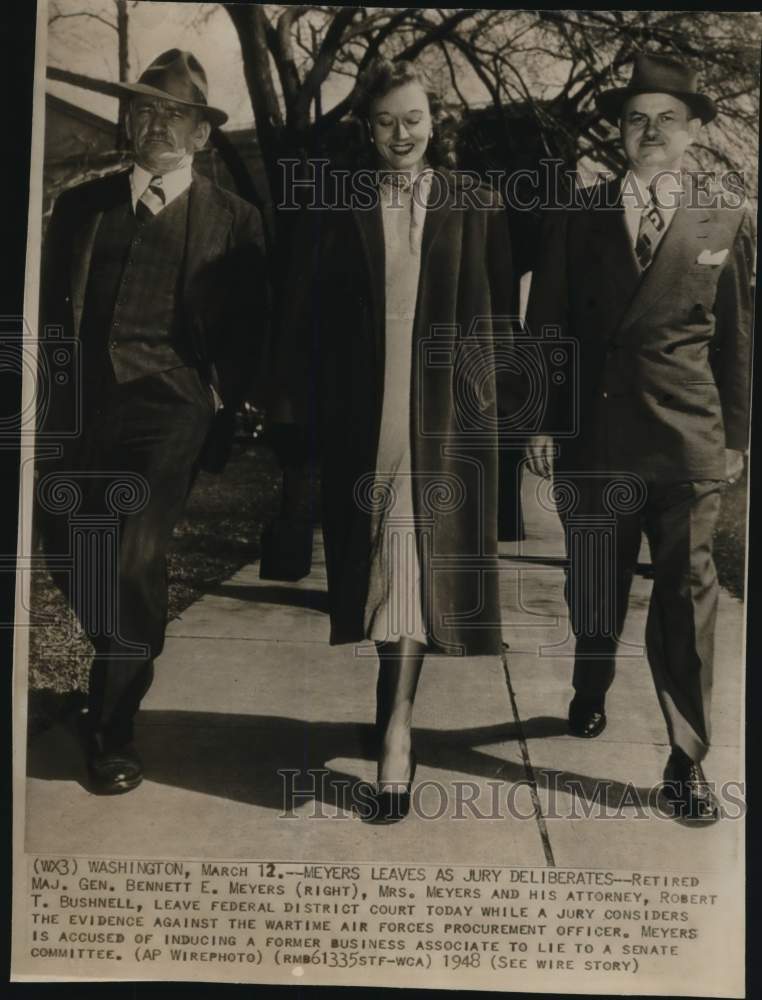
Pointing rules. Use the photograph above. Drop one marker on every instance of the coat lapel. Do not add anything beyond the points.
(615, 261)
(209, 226)
(115, 189)
(681, 244)
(82, 252)
(438, 209)
(371, 228)
(209, 222)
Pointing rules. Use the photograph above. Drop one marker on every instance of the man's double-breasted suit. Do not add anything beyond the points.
(166, 313)
(662, 382)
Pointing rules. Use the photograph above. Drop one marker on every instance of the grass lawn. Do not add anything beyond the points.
(220, 533)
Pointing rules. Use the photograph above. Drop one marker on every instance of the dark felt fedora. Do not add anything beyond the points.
(177, 76)
(657, 75)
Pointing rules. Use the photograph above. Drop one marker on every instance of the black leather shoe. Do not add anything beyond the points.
(391, 807)
(587, 719)
(113, 769)
(686, 787)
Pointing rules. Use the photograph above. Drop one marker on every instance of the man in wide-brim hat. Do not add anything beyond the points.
(179, 77)
(159, 275)
(651, 276)
(654, 74)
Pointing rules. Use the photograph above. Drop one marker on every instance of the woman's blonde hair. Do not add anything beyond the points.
(385, 75)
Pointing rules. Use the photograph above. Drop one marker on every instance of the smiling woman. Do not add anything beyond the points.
(400, 122)
(409, 525)
(401, 119)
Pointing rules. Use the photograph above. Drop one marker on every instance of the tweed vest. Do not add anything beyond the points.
(131, 304)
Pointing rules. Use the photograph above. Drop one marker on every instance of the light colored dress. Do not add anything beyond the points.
(393, 608)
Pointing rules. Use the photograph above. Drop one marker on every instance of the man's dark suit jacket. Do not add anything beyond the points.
(223, 301)
(664, 357)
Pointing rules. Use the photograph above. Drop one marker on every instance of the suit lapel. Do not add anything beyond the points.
(209, 222)
(82, 252)
(615, 263)
(681, 244)
(115, 188)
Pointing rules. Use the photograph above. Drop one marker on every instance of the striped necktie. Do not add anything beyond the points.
(151, 201)
(650, 231)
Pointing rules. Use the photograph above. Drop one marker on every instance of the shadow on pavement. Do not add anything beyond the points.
(258, 760)
(294, 597)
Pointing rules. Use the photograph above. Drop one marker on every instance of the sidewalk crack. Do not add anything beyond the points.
(528, 769)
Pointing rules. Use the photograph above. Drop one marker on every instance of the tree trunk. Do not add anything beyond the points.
(124, 68)
(251, 25)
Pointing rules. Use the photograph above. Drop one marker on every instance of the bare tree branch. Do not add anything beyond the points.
(324, 60)
(82, 13)
(453, 74)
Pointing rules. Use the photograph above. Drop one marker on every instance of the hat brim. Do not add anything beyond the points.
(610, 102)
(215, 116)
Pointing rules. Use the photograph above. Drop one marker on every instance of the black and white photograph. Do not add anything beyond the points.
(383, 512)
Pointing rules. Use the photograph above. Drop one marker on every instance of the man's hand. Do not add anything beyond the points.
(540, 454)
(733, 465)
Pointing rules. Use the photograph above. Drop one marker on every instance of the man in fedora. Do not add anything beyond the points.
(159, 276)
(651, 274)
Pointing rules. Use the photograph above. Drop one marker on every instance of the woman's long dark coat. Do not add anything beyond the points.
(330, 358)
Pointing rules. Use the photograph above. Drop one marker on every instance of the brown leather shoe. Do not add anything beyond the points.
(587, 718)
(686, 787)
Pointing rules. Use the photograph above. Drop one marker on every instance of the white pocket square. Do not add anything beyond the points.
(712, 259)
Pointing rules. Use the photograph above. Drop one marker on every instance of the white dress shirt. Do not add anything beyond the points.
(173, 183)
(636, 196)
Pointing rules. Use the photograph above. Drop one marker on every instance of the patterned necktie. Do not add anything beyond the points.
(650, 231)
(151, 201)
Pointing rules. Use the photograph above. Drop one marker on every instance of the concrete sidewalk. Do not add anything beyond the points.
(248, 685)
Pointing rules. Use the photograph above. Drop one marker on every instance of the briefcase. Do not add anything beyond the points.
(286, 549)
